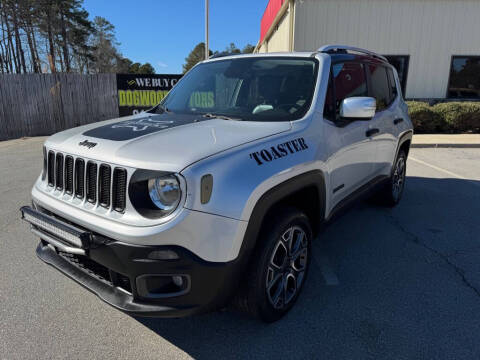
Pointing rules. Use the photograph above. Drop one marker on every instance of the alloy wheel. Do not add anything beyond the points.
(398, 180)
(287, 266)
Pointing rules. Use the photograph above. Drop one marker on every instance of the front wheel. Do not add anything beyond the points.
(279, 267)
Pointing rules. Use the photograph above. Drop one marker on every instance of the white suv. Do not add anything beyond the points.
(217, 193)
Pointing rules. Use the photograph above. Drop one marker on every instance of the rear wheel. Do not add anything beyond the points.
(279, 267)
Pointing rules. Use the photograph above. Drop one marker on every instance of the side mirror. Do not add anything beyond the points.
(358, 108)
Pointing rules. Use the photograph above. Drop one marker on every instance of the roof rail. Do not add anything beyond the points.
(347, 48)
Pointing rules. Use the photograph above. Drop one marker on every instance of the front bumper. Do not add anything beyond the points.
(116, 272)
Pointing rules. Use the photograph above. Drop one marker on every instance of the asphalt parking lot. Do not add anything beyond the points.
(399, 283)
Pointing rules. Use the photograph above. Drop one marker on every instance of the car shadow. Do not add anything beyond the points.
(372, 291)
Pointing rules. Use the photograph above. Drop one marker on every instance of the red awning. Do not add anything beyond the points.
(271, 11)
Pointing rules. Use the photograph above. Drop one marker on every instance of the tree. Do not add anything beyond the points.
(105, 54)
(57, 35)
(248, 49)
(232, 49)
(195, 56)
(147, 68)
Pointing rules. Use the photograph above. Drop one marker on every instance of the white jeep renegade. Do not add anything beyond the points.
(217, 193)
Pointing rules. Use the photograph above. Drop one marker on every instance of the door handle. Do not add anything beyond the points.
(371, 132)
(397, 121)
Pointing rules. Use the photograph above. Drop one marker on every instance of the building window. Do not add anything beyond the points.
(464, 77)
(400, 62)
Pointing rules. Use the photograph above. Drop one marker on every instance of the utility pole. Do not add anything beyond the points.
(207, 53)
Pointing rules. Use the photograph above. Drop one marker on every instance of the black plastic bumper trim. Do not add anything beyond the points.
(111, 295)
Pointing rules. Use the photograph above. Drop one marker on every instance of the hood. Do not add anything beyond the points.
(166, 142)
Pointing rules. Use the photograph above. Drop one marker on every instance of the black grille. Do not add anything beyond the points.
(95, 182)
(69, 175)
(104, 184)
(91, 183)
(79, 178)
(59, 172)
(51, 168)
(45, 170)
(89, 266)
(119, 189)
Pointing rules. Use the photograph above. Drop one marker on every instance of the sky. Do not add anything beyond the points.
(163, 32)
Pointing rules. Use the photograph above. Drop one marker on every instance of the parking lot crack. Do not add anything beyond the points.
(416, 240)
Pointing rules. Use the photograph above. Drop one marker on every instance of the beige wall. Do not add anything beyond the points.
(430, 31)
(279, 38)
(279, 41)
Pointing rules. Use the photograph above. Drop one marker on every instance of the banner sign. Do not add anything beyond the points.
(138, 92)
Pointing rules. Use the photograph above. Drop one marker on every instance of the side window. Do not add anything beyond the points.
(393, 85)
(380, 86)
(349, 80)
(346, 80)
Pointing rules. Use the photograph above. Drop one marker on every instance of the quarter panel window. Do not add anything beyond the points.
(464, 77)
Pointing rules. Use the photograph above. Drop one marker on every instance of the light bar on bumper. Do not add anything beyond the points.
(59, 229)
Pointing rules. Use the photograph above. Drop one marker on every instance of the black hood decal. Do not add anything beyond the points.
(148, 124)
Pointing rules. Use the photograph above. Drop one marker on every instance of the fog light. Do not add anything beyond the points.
(162, 286)
(178, 280)
(163, 255)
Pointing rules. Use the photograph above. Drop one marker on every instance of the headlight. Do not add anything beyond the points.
(156, 194)
(165, 192)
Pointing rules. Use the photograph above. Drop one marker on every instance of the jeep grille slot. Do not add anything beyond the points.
(59, 172)
(104, 186)
(119, 189)
(79, 178)
(91, 183)
(97, 183)
(51, 168)
(69, 175)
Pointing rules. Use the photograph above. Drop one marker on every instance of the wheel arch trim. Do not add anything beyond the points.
(275, 195)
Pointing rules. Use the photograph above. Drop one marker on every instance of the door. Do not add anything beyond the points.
(386, 117)
(350, 151)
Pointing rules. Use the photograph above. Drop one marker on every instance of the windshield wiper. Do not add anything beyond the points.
(163, 109)
(223, 117)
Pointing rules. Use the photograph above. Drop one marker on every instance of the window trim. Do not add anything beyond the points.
(403, 88)
(450, 76)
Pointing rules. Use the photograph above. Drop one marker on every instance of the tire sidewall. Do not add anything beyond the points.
(401, 155)
(265, 309)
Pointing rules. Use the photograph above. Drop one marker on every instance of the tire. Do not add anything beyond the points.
(391, 194)
(279, 266)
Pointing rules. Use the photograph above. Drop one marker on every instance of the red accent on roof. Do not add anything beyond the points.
(273, 7)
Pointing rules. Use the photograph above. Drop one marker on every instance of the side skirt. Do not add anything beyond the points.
(361, 193)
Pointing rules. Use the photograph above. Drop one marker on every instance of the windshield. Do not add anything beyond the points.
(252, 89)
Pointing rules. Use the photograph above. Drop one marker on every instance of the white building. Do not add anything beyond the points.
(435, 44)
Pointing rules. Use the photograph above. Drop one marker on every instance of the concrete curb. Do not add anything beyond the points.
(472, 146)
